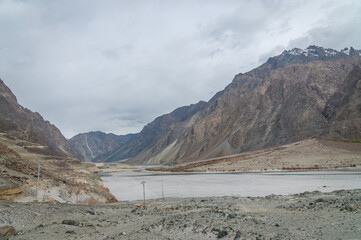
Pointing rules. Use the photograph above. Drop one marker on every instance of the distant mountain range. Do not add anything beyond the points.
(95, 146)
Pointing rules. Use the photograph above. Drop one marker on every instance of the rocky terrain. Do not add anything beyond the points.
(296, 95)
(26, 142)
(309, 215)
(62, 178)
(343, 109)
(96, 146)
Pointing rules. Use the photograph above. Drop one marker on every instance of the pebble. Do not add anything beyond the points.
(91, 212)
(238, 235)
(222, 233)
(71, 222)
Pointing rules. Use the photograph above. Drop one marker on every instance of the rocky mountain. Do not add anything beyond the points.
(160, 134)
(27, 142)
(343, 109)
(281, 101)
(21, 122)
(95, 145)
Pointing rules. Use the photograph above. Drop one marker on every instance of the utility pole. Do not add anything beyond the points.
(37, 185)
(162, 192)
(143, 182)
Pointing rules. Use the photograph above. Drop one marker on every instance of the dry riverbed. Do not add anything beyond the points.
(310, 215)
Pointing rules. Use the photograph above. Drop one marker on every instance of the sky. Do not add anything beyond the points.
(116, 65)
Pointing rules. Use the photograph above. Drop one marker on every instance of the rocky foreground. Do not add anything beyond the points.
(310, 215)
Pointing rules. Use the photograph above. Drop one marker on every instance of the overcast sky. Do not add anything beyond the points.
(116, 65)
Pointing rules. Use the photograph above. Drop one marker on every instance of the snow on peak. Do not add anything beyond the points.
(346, 51)
(315, 51)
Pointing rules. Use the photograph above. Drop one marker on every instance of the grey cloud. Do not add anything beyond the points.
(116, 65)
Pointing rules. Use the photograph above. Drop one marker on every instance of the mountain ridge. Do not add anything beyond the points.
(29, 145)
(96, 145)
(20, 121)
(281, 101)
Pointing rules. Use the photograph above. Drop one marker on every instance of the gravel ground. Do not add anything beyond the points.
(309, 215)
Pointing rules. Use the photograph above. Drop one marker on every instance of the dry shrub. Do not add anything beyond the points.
(5, 151)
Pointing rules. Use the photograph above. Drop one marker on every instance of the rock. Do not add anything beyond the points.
(87, 224)
(277, 225)
(238, 235)
(7, 231)
(71, 222)
(70, 232)
(91, 212)
(350, 207)
(231, 215)
(222, 233)
(39, 226)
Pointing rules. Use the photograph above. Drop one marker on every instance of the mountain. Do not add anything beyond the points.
(21, 122)
(160, 134)
(28, 142)
(94, 145)
(343, 109)
(281, 101)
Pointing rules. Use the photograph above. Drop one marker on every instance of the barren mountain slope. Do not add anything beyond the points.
(27, 141)
(62, 178)
(159, 134)
(94, 146)
(313, 153)
(21, 122)
(343, 110)
(281, 101)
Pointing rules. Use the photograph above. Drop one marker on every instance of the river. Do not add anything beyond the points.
(127, 185)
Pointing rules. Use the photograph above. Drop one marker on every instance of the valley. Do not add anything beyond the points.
(297, 112)
(180, 120)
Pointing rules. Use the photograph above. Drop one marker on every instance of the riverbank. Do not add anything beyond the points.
(310, 215)
(309, 154)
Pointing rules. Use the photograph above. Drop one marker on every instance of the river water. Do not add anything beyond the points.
(127, 185)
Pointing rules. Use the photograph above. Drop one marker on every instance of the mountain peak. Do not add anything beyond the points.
(311, 53)
(314, 51)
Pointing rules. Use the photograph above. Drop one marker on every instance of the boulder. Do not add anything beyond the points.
(71, 222)
(7, 231)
